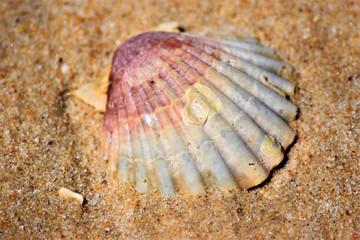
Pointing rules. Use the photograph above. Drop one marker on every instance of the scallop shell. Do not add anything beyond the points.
(186, 112)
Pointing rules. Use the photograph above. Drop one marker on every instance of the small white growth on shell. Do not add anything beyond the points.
(68, 194)
(64, 69)
(270, 146)
(150, 120)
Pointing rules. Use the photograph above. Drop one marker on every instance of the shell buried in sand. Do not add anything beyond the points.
(185, 112)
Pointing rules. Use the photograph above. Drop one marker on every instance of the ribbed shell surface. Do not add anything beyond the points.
(186, 112)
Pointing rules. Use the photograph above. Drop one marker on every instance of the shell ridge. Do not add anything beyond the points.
(270, 158)
(190, 173)
(143, 175)
(265, 62)
(250, 124)
(112, 140)
(261, 114)
(245, 53)
(246, 168)
(268, 96)
(155, 140)
(250, 47)
(106, 133)
(107, 127)
(247, 67)
(225, 125)
(246, 129)
(175, 86)
(187, 66)
(141, 172)
(127, 163)
(223, 137)
(120, 161)
(245, 43)
(217, 167)
(114, 147)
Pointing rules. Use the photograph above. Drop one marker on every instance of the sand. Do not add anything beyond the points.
(48, 138)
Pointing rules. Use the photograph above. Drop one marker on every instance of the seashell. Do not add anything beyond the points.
(187, 112)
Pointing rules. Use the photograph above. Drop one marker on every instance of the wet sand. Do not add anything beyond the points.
(48, 138)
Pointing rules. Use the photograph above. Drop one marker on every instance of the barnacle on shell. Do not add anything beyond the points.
(186, 112)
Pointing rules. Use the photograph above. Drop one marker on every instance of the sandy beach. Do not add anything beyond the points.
(49, 138)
